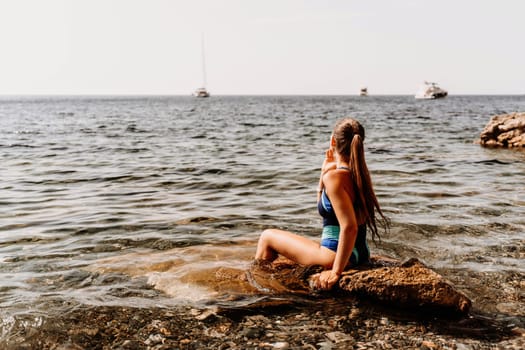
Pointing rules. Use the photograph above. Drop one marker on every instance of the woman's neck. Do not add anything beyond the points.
(341, 163)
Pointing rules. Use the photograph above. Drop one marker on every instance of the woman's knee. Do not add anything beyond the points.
(266, 249)
(265, 237)
(270, 235)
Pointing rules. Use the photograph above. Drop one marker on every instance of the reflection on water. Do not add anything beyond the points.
(147, 201)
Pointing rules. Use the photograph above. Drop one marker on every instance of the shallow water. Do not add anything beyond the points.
(112, 201)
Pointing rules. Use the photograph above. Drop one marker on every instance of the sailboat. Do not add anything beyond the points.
(202, 91)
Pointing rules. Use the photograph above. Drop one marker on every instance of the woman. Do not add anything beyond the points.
(348, 205)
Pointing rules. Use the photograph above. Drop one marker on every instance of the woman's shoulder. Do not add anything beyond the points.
(336, 177)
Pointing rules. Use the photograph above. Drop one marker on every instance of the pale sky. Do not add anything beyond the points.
(261, 47)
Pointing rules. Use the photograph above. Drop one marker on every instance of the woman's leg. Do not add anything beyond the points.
(297, 248)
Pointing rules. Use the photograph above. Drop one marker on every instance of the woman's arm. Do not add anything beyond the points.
(337, 186)
(328, 164)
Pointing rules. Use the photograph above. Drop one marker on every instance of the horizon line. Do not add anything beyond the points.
(235, 95)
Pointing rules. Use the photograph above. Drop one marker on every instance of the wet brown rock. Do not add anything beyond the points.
(409, 284)
(505, 130)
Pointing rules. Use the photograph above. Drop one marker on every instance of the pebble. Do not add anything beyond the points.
(460, 346)
(325, 345)
(353, 328)
(280, 345)
(339, 337)
(154, 339)
(206, 314)
(428, 345)
(519, 331)
(251, 332)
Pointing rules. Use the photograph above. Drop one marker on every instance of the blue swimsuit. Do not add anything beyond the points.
(330, 235)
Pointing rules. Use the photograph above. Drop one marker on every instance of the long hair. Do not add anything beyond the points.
(349, 136)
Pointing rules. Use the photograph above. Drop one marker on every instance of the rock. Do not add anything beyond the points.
(354, 314)
(210, 313)
(504, 130)
(428, 345)
(154, 339)
(325, 345)
(251, 332)
(519, 331)
(185, 341)
(339, 337)
(128, 345)
(460, 346)
(280, 345)
(410, 284)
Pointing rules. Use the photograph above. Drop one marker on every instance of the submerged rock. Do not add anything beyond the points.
(504, 130)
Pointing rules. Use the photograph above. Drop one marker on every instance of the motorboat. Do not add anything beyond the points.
(201, 92)
(363, 92)
(430, 91)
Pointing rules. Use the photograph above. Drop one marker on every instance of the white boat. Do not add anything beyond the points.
(363, 92)
(430, 91)
(202, 91)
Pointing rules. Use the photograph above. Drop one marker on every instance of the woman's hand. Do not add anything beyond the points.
(329, 161)
(325, 280)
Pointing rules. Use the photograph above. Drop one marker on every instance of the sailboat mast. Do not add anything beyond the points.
(203, 62)
(202, 92)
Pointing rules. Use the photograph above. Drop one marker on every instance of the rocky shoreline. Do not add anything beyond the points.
(323, 324)
(323, 320)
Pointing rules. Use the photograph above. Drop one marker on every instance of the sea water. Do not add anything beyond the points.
(142, 201)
